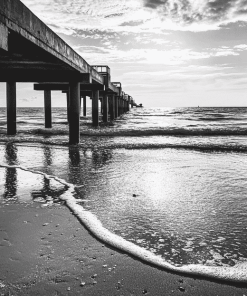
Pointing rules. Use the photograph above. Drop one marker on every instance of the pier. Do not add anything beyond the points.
(32, 52)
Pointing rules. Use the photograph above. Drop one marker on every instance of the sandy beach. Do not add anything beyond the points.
(46, 251)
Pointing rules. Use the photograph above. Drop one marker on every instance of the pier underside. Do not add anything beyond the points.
(31, 52)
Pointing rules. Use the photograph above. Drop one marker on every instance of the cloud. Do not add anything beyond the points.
(114, 15)
(241, 47)
(181, 79)
(152, 56)
(68, 15)
(29, 99)
(138, 16)
(184, 72)
(135, 16)
(200, 12)
(131, 23)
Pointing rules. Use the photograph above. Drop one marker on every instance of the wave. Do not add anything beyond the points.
(217, 119)
(200, 147)
(236, 273)
(169, 132)
(193, 117)
(111, 132)
(152, 115)
(196, 147)
(29, 122)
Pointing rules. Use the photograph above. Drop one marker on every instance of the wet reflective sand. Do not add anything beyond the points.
(161, 200)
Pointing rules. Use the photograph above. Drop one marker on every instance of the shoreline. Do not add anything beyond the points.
(235, 275)
(47, 251)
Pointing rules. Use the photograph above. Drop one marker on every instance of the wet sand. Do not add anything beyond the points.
(46, 251)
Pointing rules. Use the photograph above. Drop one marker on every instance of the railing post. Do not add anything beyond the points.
(11, 107)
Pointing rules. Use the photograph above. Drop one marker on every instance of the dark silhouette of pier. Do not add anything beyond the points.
(32, 52)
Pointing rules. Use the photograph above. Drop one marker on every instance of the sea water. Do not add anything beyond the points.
(169, 180)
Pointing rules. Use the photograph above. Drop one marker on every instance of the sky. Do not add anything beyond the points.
(166, 53)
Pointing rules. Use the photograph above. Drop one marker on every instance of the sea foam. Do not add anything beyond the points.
(237, 273)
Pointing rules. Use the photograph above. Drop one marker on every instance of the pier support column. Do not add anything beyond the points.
(113, 114)
(115, 98)
(95, 108)
(47, 102)
(105, 107)
(74, 113)
(128, 105)
(84, 106)
(101, 105)
(119, 106)
(109, 104)
(112, 108)
(68, 105)
(11, 108)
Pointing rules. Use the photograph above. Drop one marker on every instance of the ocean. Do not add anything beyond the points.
(166, 184)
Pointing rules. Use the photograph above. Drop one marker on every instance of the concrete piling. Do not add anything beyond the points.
(112, 108)
(116, 106)
(101, 106)
(74, 113)
(84, 106)
(47, 103)
(68, 105)
(11, 108)
(95, 108)
(105, 107)
(120, 106)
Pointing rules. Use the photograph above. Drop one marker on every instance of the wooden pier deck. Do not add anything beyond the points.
(32, 52)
